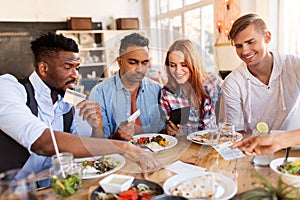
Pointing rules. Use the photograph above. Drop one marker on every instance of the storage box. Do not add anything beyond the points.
(80, 23)
(127, 23)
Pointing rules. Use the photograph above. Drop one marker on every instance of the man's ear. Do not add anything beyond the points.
(43, 68)
(267, 37)
(119, 61)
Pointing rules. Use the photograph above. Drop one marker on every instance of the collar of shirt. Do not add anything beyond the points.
(180, 93)
(43, 97)
(120, 85)
(176, 92)
(276, 70)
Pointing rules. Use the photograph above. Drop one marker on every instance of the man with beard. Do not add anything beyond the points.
(266, 86)
(56, 69)
(129, 90)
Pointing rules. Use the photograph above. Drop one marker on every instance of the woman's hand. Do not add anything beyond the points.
(172, 129)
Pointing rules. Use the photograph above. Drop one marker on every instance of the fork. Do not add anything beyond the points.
(287, 151)
(145, 147)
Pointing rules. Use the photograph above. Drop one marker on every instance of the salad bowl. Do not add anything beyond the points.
(286, 172)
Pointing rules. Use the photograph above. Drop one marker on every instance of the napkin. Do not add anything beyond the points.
(180, 167)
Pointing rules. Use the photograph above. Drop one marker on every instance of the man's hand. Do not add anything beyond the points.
(125, 131)
(144, 159)
(258, 145)
(91, 112)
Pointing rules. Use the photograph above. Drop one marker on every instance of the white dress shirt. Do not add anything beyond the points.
(17, 120)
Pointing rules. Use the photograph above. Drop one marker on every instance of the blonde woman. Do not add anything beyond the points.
(188, 85)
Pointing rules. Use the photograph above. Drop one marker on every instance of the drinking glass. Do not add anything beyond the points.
(262, 160)
(214, 131)
(65, 175)
(214, 137)
(65, 159)
(227, 129)
(17, 184)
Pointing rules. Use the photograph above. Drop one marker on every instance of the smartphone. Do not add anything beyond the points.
(180, 115)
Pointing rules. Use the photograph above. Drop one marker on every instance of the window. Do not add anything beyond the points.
(192, 19)
(289, 26)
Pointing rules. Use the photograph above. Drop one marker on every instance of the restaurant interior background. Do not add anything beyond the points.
(206, 22)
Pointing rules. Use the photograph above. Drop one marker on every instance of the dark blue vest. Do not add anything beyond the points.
(12, 154)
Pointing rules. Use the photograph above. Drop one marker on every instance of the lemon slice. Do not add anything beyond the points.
(262, 127)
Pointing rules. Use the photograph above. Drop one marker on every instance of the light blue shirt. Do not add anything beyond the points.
(115, 103)
(17, 120)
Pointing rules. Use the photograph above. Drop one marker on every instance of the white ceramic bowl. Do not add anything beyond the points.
(289, 179)
(116, 183)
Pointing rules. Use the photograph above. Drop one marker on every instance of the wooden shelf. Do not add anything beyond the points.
(91, 48)
(92, 64)
(98, 50)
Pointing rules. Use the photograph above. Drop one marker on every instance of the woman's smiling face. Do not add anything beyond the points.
(178, 67)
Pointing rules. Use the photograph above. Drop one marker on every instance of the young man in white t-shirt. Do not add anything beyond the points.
(266, 86)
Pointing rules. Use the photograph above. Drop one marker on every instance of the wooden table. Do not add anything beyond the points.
(240, 170)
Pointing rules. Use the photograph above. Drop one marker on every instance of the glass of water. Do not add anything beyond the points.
(214, 132)
(17, 184)
(261, 160)
(227, 130)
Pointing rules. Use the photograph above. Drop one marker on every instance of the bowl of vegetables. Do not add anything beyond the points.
(290, 173)
(139, 189)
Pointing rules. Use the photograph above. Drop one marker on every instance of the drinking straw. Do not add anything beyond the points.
(56, 148)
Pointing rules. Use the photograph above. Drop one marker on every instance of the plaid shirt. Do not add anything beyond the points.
(170, 101)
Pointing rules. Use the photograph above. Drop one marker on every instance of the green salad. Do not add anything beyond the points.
(292, 167)
(65, 187)
(99, 166)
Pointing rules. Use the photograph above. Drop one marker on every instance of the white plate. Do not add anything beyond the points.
(226, 188)
(171, 139)
(198, 133)
(113, 157)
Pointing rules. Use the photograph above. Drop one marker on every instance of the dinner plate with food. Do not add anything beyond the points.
(98, 166)
(154, 141)
(207, 185)
(143, 189)
(205, 137)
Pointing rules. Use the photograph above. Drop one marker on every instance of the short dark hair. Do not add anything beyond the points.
(244, 21)
(47, 45)
(134, 39)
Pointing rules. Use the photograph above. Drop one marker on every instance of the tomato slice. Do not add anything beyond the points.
(131, 194)
(143, 140)
(145, 196)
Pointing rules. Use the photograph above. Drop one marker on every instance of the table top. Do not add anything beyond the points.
(240, 170)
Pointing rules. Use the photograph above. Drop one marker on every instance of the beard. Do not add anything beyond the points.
(61, 91)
